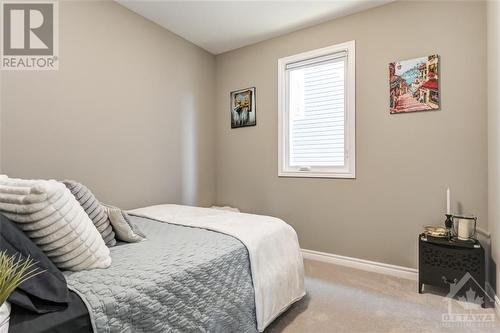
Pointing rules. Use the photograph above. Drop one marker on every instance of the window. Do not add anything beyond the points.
(317, 113)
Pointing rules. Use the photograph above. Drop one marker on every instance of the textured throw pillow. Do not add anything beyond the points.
(125, 230)
(50, 215)
(45, 292)
(97, 212)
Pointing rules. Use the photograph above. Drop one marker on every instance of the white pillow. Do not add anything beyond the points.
(50, 215)
(125, 230)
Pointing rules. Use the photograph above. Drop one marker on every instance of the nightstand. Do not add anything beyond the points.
(443, 263)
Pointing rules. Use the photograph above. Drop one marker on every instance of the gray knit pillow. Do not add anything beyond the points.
(97, 212)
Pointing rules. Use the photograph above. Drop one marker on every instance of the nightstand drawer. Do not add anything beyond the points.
(450, 261)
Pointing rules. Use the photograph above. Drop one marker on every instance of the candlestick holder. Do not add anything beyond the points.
(448, 223)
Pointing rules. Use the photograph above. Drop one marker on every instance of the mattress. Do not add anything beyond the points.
(181, 279)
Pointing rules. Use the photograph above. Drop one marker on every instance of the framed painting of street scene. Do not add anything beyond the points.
(414, 85)
(243, 108)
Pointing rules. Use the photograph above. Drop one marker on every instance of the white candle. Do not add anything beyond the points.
(448, 201)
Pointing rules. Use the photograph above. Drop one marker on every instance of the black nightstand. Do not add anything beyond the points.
(443, 263)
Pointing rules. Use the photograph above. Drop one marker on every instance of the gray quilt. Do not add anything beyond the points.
(180, 279)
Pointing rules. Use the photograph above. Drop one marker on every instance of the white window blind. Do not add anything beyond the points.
(317, 113)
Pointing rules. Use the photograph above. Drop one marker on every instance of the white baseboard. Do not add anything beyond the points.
(365, 265)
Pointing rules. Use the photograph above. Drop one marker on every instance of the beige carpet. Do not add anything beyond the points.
(342, 299)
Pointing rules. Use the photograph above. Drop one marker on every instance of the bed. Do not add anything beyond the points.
(75, 319)
(183, 278)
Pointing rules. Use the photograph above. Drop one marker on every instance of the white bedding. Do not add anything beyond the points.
(275, 259)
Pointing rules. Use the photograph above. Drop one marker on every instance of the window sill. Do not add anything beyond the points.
(310, 174)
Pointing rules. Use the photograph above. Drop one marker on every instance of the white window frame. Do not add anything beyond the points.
(349, 168)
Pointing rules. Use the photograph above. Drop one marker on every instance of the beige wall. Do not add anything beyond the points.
(404, 162)
(129, 112)
(493, 33)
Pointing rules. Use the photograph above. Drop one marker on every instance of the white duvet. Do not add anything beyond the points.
(275, 258)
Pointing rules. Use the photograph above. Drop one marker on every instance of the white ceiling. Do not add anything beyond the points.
(220, 26)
